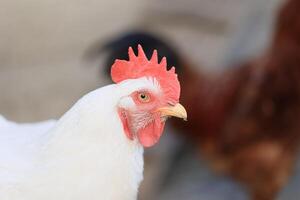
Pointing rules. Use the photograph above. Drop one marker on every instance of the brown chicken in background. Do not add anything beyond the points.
(246, 120)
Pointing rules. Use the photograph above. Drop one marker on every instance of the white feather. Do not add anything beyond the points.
(19, 144)
(85, 155)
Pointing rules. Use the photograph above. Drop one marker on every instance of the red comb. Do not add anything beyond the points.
(139, 66)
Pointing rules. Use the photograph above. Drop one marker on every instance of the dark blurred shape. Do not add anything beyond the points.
(118, 48)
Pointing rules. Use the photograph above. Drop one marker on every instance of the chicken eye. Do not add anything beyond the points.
(144, 97)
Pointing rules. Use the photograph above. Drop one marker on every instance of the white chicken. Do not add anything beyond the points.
(95, 151)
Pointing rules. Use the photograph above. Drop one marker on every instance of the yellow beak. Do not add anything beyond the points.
(176, 111)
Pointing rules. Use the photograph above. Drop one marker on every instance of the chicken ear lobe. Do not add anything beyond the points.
(124, 119)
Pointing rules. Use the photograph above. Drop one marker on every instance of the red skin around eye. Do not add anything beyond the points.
(138, 102)
(151, 132)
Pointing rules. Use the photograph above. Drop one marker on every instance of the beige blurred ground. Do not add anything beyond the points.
(42, 43)
(41, 47)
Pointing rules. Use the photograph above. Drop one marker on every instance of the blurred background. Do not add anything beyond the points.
(238, 62)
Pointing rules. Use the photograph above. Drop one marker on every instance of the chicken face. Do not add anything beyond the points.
(144, 112)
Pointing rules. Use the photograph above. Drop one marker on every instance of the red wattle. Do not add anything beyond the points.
(150, 135)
